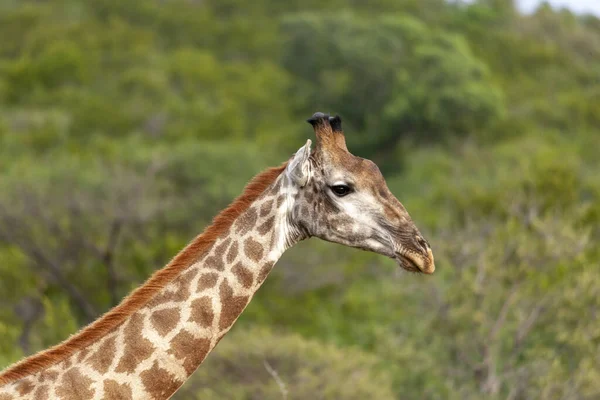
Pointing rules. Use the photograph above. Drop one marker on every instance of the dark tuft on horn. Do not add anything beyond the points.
(317, 117)
(336, 123)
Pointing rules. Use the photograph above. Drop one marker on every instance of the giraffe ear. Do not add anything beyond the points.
(298, 168)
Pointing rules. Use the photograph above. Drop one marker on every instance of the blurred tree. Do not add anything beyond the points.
(392, 76)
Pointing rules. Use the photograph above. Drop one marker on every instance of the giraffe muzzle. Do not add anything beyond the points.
(416, 262)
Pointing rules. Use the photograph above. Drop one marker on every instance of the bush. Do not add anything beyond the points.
(260, 364)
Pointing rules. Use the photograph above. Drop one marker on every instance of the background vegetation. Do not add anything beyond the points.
(126, 125)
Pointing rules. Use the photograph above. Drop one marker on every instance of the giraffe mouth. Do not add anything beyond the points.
(413, 262)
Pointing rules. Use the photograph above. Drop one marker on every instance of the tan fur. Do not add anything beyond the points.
(328, 139)
(138, 298)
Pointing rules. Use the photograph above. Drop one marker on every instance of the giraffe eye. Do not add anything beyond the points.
(340, 190)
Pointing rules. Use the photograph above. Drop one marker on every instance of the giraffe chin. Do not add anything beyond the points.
(413, 262)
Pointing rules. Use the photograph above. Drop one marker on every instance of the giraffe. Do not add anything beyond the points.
(150, 344)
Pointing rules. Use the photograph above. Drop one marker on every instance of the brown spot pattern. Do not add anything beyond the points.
(280, 199)
(253, 249)
(6, 397)
(207, 281)
(231, 306)
(49, 376)
(74, 386)
(246, 221)
(186, 277)
(276, 186)
(168, 296)
(221, 248)
(82, 354)
(266, 226)
(202, 312)
(266, 208)
(116, 391)
(264, 272)
(67, 364)
(24, 387)
(137, 348)
(181, 292)
(103, 357)
(192, 350)
(232, 253)
(243, 275)
(41, 393)
(164, 321)
(159, 383)
(214, 262)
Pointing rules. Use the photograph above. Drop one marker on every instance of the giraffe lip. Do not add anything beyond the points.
(407, 263)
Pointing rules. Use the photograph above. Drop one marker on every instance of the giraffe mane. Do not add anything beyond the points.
(140, 296)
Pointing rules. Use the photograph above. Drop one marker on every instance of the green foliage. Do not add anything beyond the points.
(126, 125)
(270, 364)
(393, 76)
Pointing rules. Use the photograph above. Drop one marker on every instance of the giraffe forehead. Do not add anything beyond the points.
(358, 171)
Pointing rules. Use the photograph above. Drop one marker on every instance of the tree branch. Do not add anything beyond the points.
(275, 375)
(491, 385)
(30, 249)
(30, 309)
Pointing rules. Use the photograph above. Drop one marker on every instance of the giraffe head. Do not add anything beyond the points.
(344, 199)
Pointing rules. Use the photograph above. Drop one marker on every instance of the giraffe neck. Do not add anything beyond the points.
(157, 347)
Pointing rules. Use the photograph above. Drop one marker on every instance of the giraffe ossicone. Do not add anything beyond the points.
(147, 346)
